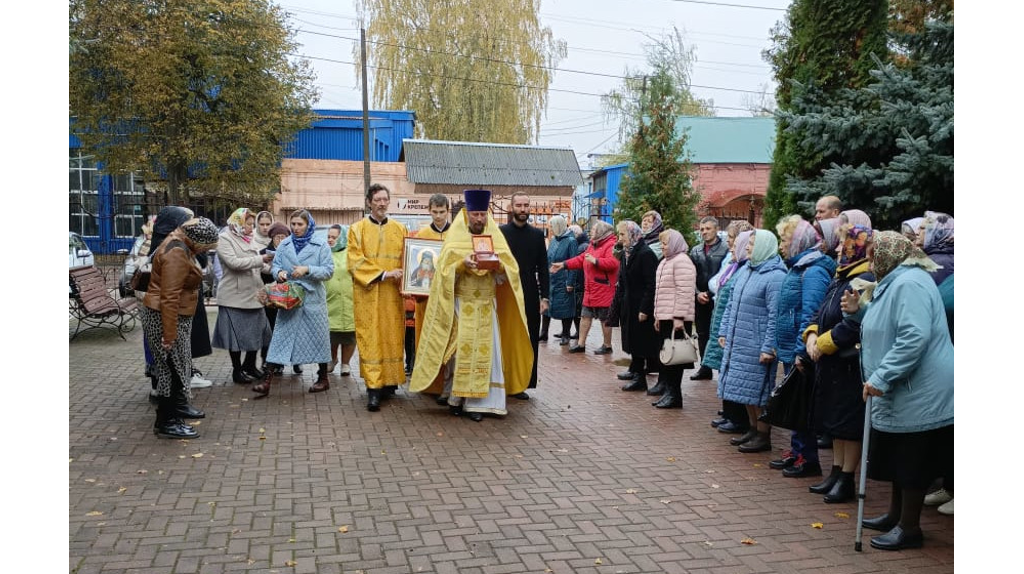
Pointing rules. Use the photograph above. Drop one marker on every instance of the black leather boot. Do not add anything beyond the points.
(168, 425)
(179, 399)
(672, 399)
(744, 438)
(321, 383)
(373, 400)
(826, 485)
(241, 377)
(658, 389)
(761, 442)
(639, 383)
(843, 490)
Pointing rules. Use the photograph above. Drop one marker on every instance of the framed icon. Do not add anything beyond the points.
(419, 262)
(483, 249)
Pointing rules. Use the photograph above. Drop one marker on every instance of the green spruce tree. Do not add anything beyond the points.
(660, 172)
(822, 46)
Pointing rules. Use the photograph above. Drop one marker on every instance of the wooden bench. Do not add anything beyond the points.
(93, 306)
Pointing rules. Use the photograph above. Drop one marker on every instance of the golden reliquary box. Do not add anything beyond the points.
(483, 251)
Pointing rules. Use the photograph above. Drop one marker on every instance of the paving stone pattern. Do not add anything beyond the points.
(581, 478)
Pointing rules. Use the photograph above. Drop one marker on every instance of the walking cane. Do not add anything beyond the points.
(863, 473)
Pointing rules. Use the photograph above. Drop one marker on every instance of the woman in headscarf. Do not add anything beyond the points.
(600, 274)
(261, 233)
(277, 232)
(582, 243)
(935, 238)
(738, 233)
(242, 325)
(301, 334)
(809, 275)
(747, 335)
(563, 282)
(854, 217)
(167, 220)
(907, 358)
(168, 308)
(675, 299)
(832, 339)
(652, 226)
(636, 292)
(909, 228)
(340, 313)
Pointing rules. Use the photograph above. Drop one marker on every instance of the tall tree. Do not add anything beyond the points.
(668, 54)
(199, 94)
(822, 46)
(473, 70)
(660, 173)
(892, 140)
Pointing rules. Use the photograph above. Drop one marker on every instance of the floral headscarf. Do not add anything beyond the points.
(892, 249)
(236, 223)
(909, 227)
(301, 242)
(855, 217)
(830, 234)
(263, 240)
(740, 247)
(601, 229)
(805, 236)
(657, 226)
(855, 244)
(675, 245)
(765, 246)
(938, 231)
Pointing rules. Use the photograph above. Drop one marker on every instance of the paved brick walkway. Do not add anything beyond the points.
(581, 478)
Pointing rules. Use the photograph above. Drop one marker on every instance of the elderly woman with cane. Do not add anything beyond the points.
(907, 360)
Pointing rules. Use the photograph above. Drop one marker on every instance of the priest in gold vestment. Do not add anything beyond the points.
(437, 229)
(466, 303)
(375, 246)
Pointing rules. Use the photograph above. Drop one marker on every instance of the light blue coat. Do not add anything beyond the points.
(749, 327)
(302, 335)
(906, 353)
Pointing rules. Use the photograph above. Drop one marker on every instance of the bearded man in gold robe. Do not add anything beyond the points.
(375, 261)
(467, 302)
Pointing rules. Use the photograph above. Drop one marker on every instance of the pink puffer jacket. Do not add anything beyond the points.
(676, 289)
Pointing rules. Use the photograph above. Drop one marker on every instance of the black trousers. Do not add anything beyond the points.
(703, 322)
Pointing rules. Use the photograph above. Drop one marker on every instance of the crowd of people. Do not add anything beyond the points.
(855, 311)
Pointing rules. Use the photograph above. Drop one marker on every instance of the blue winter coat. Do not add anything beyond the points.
(809, 276)
(562, 303)
(906, 353)
(749, 327)
(301, 335)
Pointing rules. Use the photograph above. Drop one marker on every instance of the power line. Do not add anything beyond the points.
(497, 61)
(724, 4)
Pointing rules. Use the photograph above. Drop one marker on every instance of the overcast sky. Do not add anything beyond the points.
(603, 37)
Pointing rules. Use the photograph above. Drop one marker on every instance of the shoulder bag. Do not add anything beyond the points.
(678, 351)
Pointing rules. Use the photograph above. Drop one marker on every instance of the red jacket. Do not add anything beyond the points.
(599, 278)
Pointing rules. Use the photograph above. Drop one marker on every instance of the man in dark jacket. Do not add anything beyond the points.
(527, 245)
(707, 257)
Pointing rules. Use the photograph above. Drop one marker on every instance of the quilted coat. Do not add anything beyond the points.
(803, 290)
(301, 334)
(676, 288)
(749, 325)
(563, 303)
(712, 358)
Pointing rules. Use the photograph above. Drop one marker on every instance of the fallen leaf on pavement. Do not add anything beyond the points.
(343, 529)
(94, 513)
(714, 486)
(842, 515)
(671, 459)
(143, 471)
(122, 489)
(291, 563)
(666, 501)
(757, 465)
(598, 561)
(262, 430)
(817, 525)
(197, 455)
(748, 541)
(631, 491)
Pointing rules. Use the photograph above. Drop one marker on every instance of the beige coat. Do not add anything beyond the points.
(241, 262)
(676, 288)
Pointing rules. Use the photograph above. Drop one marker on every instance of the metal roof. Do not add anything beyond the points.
(483, 164)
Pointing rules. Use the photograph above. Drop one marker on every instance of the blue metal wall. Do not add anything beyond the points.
(338, 135)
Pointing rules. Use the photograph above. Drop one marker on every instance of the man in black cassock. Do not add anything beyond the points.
(527, 245)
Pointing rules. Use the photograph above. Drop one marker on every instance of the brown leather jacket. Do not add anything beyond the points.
(174, 282)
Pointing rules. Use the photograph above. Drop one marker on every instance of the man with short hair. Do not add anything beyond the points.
(531, 253)
(707, 257)
(478, 310)
(440, 208)
(375, 246)
(827, 207)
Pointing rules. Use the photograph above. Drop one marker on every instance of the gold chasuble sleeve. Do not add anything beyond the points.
(443, 334)
(380, 313)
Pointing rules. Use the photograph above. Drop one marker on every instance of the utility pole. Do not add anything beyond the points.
(366, 113)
